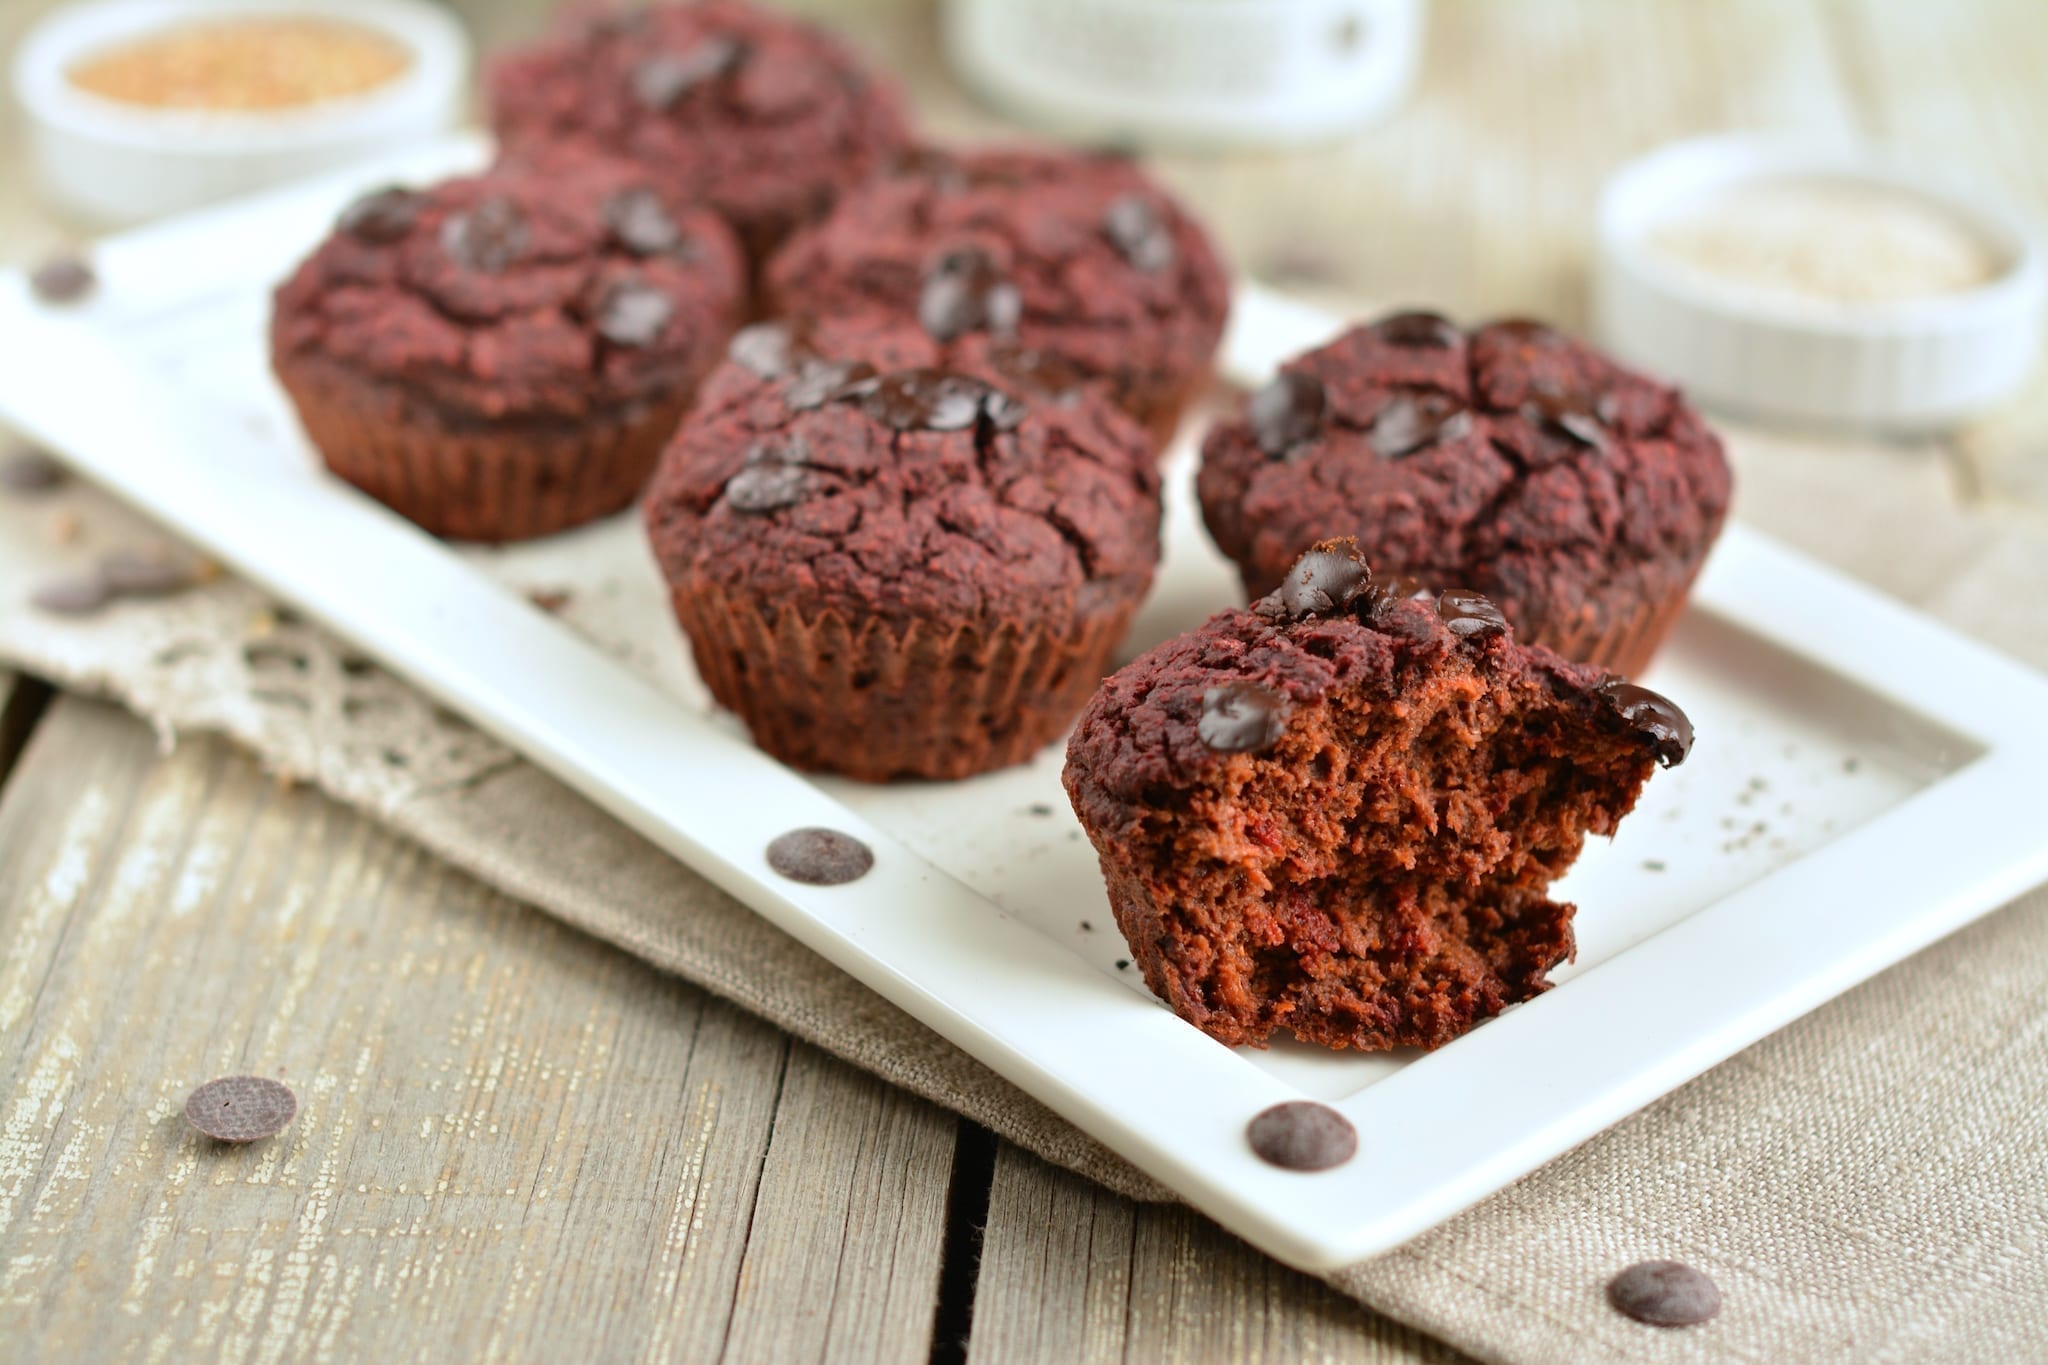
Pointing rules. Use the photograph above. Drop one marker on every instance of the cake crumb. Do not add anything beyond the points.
(1653, 864)
(1123, 963)
(1039, 808)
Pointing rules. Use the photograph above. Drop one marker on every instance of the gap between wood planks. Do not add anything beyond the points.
(974, 1178)
(23, 700)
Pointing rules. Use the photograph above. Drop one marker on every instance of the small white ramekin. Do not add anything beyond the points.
(111, 163)
(1912, 365)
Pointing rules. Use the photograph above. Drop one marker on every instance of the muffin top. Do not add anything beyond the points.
(809, 476)
(551, 290)
(1066, 253)
(1511, 458)
(762, 116)
(1170, 718)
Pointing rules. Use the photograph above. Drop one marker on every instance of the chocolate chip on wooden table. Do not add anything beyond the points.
(634, 313)
(1287, 411)
(1242, 718)
(28, 470)
(1664, 1294)
(1468, 614)
(381, 216)
(241, 1108)
(62, 279)
(1134, 227)
(820, 857)
(488, 237)
(641, 224)
(1301, 1135)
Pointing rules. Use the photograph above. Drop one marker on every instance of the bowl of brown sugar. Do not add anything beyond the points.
(140, 108)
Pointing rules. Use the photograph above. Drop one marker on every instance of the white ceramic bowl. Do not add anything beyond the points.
(1911, 364)
(110, 163)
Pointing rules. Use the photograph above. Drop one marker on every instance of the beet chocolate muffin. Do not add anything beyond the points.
(763, 117)
(892, 571)
(504, 356)
(1512, 460)
(1337, 812)
(1064, 253)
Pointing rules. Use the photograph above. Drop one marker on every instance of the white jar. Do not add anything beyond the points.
(1188, 71)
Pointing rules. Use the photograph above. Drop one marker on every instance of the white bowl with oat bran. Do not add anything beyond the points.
(1817, 284)
(140, 108)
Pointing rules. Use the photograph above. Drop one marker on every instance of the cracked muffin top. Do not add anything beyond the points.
(554, 289)
(908, 485)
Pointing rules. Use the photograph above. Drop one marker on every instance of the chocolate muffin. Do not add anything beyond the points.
(1337, 812)
(1512, 460)
(894, 570)
(504, 356)
(760, 115)
(1063, 253)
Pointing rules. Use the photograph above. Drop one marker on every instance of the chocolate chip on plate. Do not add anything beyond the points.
(381, 216)
(81, 595)
(28, 470)
(1287, 411)
(1664, 1294)
(633, 314)
(241, 1108)
(641, 224)
(820, 857)
(1134, 227)
(1302, 1135)
(62, 279)
(1242, 718)
(488, 237)
(1468, 614)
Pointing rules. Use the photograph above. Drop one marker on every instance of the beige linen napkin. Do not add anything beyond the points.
(1871, 1183)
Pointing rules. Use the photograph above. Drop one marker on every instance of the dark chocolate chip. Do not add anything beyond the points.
(922, 400)
(488, 237)
(964, 292)
(1655, 715)
(127, 574)
(1287, 411)
(820, 857)
(634, 314)
(1414, 421)
(1302, 1135)
(1242, 718)
(241, 1108)
(766, 348)
(1530, 332)
(1565, 412)
(28, 470)
(1418, 331)
(1469, 615)
(666, 77)
(1323, 582)
(1134, 227)
(79, 596)
(641, 224)
(1043, 372)
(1664, 1294)
(818, 382)
(767, 487)
(1003, 412)
(62, 279)
(382, 215)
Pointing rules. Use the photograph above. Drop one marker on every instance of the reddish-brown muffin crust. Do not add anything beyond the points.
(1337, 812)
(503, 355)
(1512, 460)
(1065, 253)
(891, 571)
(762, 116)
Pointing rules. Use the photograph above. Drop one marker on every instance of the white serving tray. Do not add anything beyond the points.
(1864, 782)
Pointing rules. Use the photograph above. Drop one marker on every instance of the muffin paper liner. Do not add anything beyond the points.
(875, 699)
(1623, 643)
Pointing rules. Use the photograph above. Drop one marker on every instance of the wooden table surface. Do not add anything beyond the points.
(520, 1143)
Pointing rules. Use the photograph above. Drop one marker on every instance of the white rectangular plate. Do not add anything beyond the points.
(1864, 782)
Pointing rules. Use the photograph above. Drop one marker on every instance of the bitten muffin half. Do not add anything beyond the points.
(762, 116)
(1511, 460)
(1337, 813)
(1066, 254)
(894, 571)
(504, 356)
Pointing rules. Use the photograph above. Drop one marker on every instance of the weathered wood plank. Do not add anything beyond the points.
(513, 1142)
(1071, 1272)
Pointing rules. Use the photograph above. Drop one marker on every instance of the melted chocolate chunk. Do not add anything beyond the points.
(922, 400)
(1415, 421)
(62, 279)
(1323, 582)
(1043, 372)
(1655, 715)
(767, 349)
(1287, 411)
(1469, 615)
(1664, 1294)
(964, 293)
(1134, 227)
(241, 1108)
(666, 77)
(1418, 331)
(818, 382)
(820, 857)
(634, 314)
(1302, 1135)
(489, 237)
(1530, 332)
(1242, 718)
(1566, 412)
(382, 216)
(640, 223)
(767, 487)
(1003, 412)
